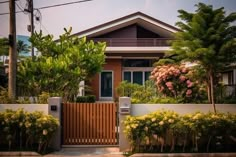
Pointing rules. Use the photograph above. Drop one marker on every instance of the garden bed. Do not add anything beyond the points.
(19, 153)
(184, 155)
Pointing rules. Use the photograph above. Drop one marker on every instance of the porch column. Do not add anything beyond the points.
(124, 110)
(54, 109)
(234, 76)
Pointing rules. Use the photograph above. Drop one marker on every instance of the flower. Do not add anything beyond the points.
(45, 132)
(161, 123)
(169, 85)
(171, 121)
(189, 92)
(182, 78)
(134, 126)
(189, 83)
(184, 70)
(153, 119)
(21, 124)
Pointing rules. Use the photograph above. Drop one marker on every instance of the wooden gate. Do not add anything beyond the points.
(89, 124)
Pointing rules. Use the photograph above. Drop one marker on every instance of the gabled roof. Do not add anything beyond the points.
(139, 18)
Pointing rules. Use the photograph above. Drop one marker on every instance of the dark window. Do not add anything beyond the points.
(137, 63)
(138, 77)
(127, 76)
(147, 75)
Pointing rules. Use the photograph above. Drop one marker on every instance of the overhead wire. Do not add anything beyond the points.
(6, 2)
(62, 4)
(21, 8)
(52, 6)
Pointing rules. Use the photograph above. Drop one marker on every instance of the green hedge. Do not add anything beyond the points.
(84, 99)
(166, 131)
(21, 130)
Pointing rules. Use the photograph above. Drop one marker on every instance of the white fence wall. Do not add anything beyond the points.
(142, 109)
(26, 107)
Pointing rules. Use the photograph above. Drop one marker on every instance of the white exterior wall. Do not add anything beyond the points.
(142, 109)
(26, 107)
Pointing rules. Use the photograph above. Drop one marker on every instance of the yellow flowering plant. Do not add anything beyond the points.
(22, 129)
(166, 130)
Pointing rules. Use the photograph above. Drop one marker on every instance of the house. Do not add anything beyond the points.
(228, 79)
(134, 43)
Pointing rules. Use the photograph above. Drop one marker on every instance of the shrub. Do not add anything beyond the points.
(43, 98)
(176, 81)
(166, 130)
(91, 98)
(84, 99)
(4, 99)
(138, 93)
(20, 128)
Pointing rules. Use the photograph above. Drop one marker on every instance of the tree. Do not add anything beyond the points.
(4, 48)
(62, 65)
(22, 47)
(208, 39)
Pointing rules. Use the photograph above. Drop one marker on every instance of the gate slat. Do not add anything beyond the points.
(64, 123)
(114, 124)
(110, 124)
(77, 123)
(83, 125)
(80, 123)
(107, 123)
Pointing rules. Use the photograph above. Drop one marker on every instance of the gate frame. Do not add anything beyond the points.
(116, 131)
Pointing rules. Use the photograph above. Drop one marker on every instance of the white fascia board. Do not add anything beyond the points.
(129, 20)
(137, 49)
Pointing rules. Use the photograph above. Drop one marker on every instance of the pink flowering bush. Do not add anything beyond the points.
(176, 81)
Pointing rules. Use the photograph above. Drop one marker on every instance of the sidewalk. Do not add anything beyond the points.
(87, 152)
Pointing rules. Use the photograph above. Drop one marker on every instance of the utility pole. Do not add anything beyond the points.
(31, 9)
(12, 52)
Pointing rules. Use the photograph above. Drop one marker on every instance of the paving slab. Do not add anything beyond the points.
(87, 152)
(184, 155)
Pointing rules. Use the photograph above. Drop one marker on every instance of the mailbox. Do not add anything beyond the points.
(53, 108)
(125, 105)
(124, 110)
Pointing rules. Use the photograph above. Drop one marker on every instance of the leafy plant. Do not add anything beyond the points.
(165, 130)
(43, 98)
(61, 66)
(138, 93)
(23, 129)
(4, 99)
(88, 99)
(207, 38)
(176, 81)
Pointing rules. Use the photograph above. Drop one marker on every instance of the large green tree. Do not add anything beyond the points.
(22, 47)
(61, 66)
(208, 39)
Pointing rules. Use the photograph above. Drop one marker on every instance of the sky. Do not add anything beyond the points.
(81, 16)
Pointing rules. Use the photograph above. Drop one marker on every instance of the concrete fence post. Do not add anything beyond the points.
(124, 110)
(54, 109)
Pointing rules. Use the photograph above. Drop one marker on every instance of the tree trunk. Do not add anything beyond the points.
(212, 91)
(209, 91)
